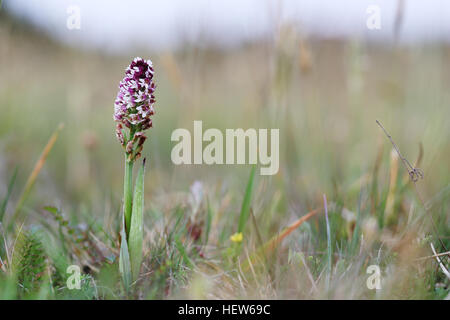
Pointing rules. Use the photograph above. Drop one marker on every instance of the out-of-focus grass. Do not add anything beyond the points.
(323, 95)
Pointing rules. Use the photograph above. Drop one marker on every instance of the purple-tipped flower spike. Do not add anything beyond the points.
(133, 107)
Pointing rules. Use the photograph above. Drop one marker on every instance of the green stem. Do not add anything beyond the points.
(128, 193)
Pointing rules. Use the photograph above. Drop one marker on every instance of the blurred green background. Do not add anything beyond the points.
(324, 94)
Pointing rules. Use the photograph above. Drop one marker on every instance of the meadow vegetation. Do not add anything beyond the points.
(62, 205)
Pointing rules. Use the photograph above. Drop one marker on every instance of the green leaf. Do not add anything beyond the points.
(8, 194)
(51, 209)
(128, 193)
(136, 236)
(245, 210)
(124, 259)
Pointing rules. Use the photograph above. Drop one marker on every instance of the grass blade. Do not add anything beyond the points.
(209, 214)
(8, 194)
(136, 236)
(37, 168)
(356, 231)
(245, 210)
(183, 252)
(124, 260)
(329, 248)
(274, 242)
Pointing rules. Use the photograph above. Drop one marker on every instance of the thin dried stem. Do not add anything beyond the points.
(415, 174)
(434, 256)
(443, 268)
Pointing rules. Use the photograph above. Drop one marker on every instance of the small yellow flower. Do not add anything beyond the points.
(237, 237)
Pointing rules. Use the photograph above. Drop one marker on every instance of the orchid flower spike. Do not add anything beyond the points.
(133, 107)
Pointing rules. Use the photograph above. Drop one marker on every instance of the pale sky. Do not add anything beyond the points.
(118, 24)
